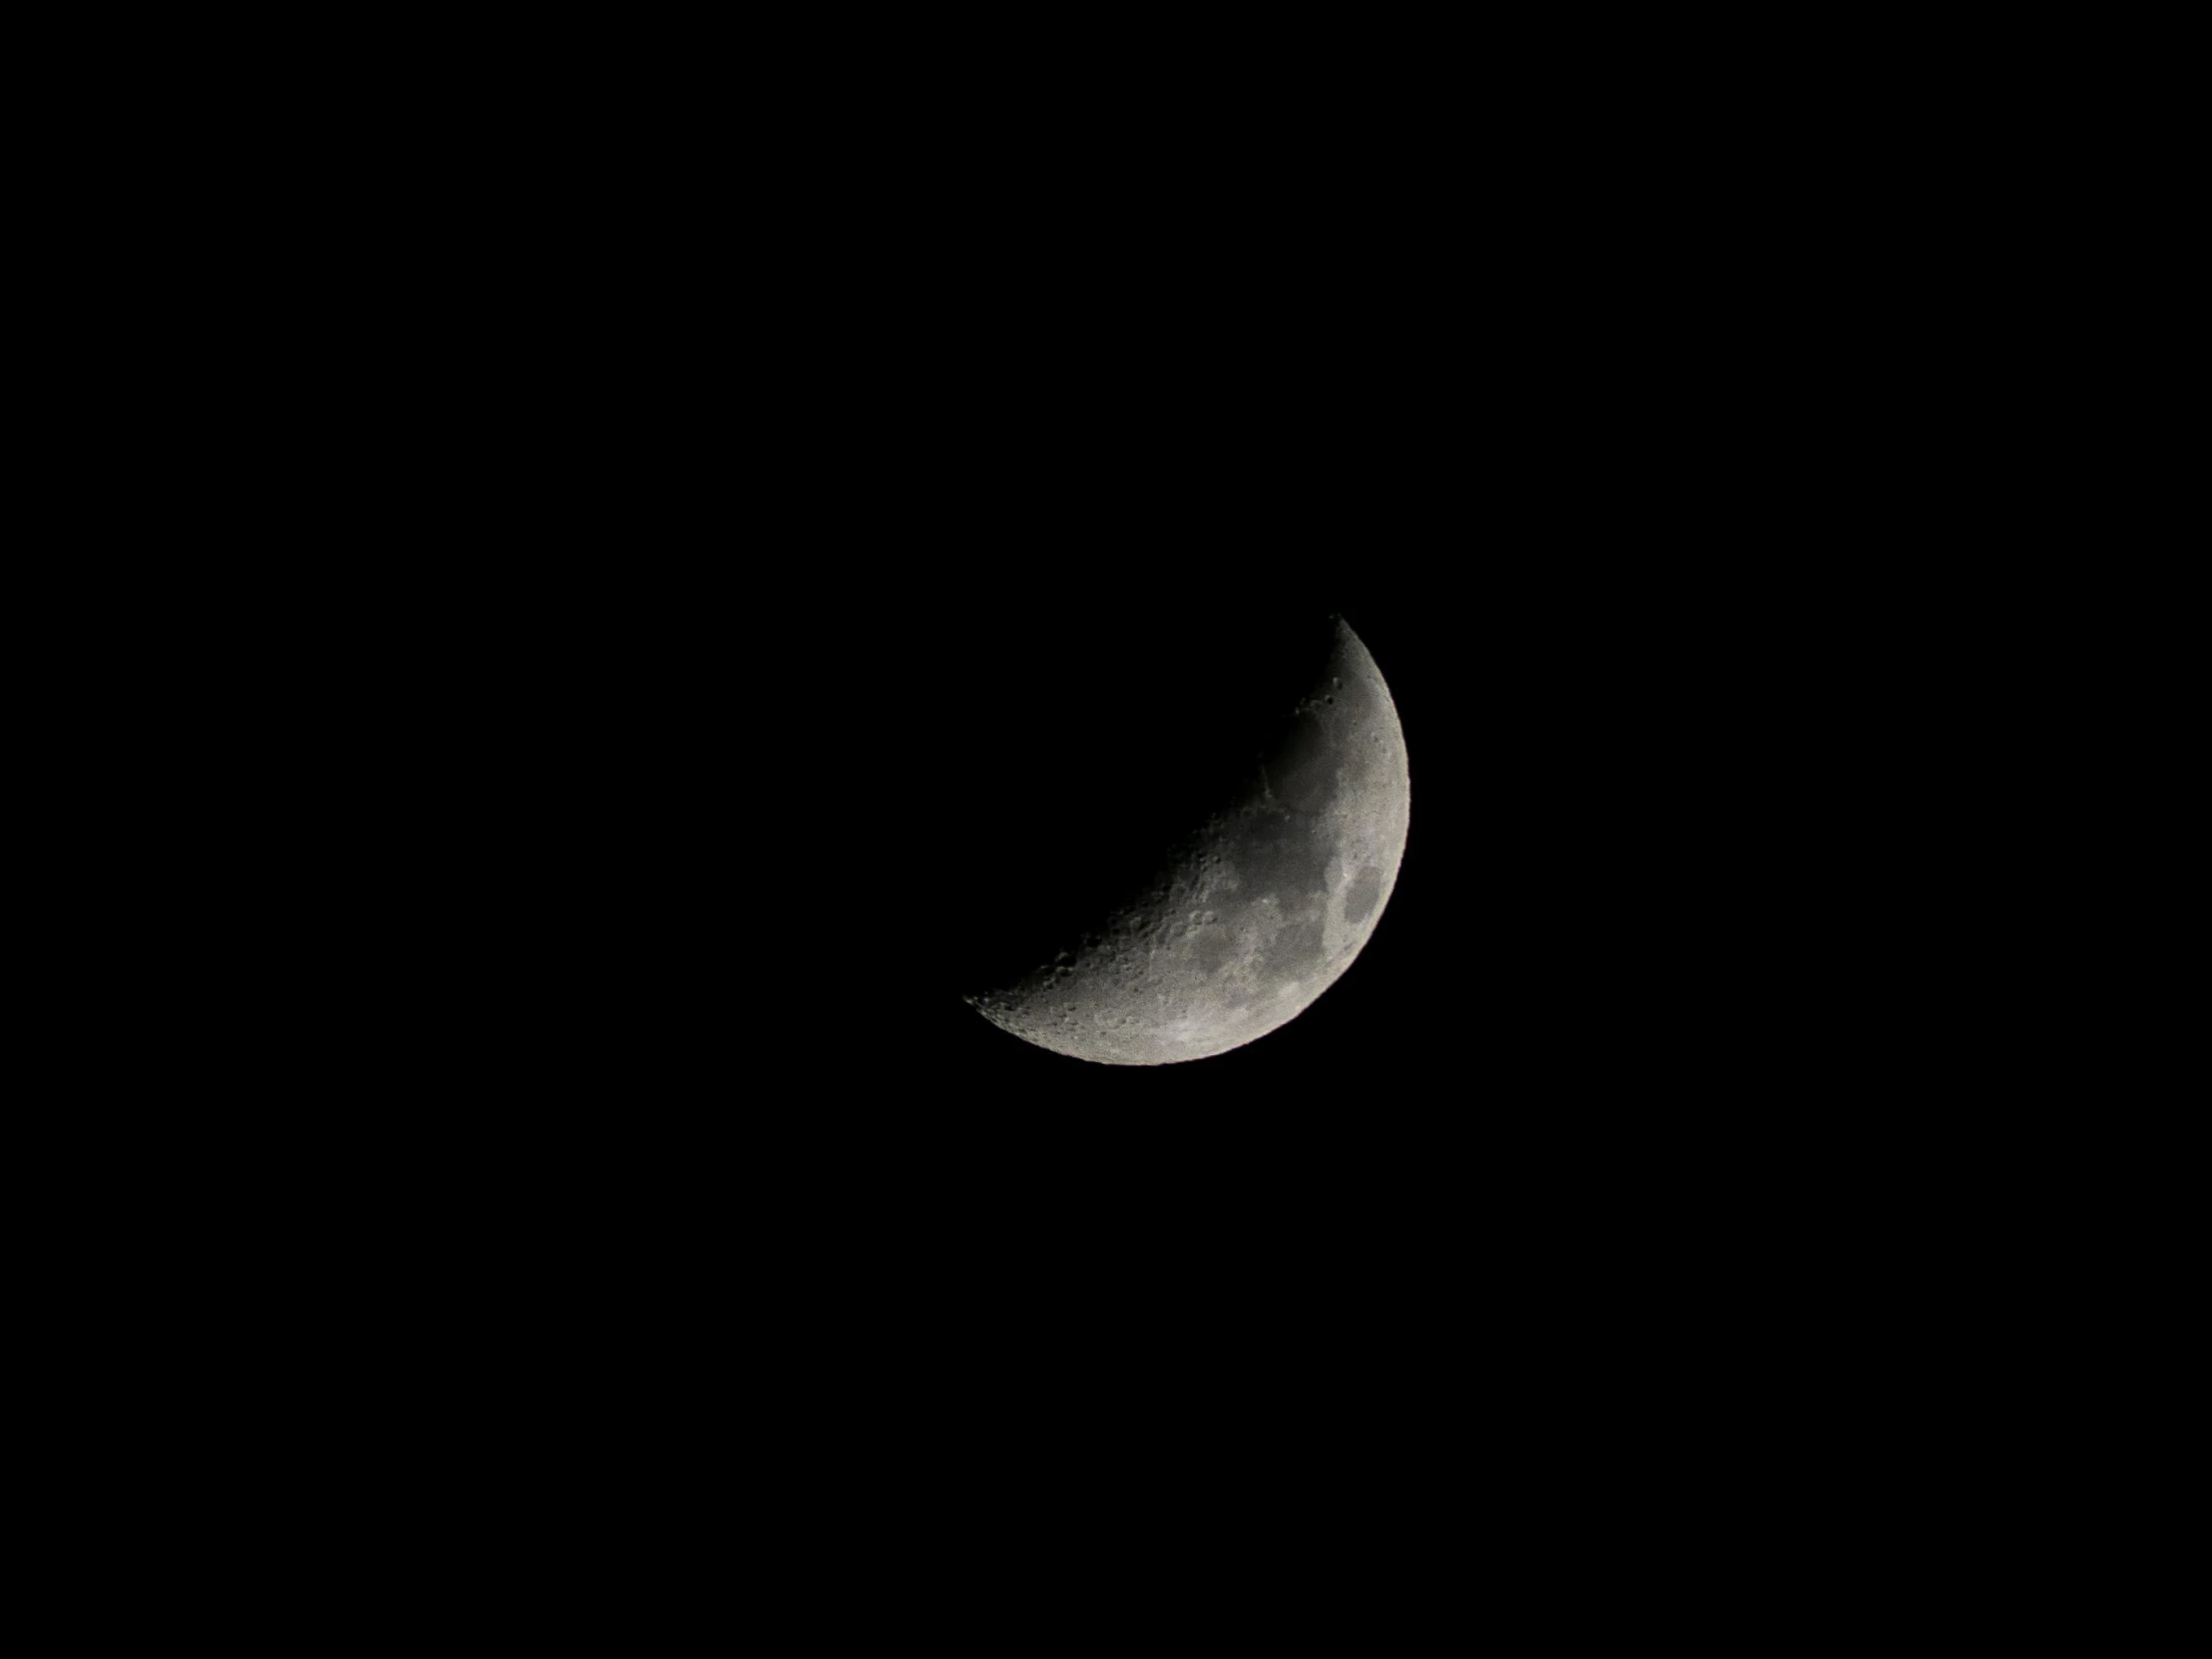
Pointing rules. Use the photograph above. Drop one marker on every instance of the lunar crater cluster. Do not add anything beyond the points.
(1257, 911)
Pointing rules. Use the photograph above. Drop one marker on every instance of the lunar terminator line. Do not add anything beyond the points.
(1258, 911)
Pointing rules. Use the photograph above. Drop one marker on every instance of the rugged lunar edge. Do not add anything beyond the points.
(1259, 911)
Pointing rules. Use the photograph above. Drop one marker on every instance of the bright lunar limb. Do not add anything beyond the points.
(1259, 911)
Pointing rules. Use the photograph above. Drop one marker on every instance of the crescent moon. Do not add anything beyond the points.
(1259, 911)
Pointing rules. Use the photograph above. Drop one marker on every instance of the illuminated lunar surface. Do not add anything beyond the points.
(1259, 911)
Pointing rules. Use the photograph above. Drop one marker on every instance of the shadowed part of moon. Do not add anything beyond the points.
(1258, 911)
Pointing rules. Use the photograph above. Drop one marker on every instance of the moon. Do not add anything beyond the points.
(1257, 912)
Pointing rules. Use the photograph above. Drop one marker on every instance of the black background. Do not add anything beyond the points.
(780, 533)
(766, 851)
(758, 646)
(1585, 1128)
(780, 696)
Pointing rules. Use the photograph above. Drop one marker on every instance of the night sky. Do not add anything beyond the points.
(784, 555)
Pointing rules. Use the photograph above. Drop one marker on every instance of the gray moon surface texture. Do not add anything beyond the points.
(1257, 912)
